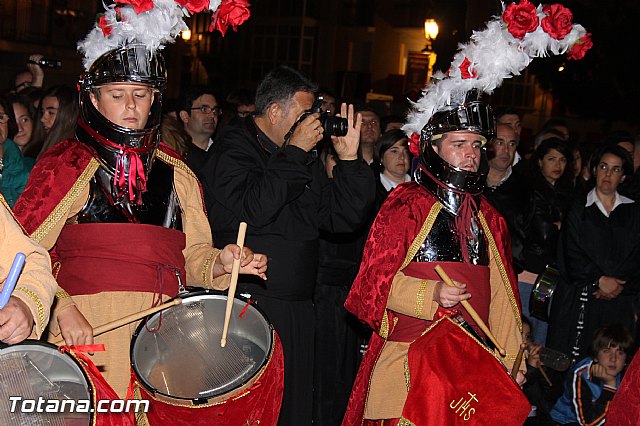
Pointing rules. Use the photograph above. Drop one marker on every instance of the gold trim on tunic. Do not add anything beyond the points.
(502, 269)
(422, 235)
(33, 296)
(175, 162)
(210, 260)
(420, 299)
(62, 209)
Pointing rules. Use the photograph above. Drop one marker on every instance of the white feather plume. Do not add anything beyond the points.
(493, 54)
(153, 28)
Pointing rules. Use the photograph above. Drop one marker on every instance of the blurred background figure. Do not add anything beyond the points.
(31, 76)
(14, 168)
(243, 102)
(395, 160)
(55, 121)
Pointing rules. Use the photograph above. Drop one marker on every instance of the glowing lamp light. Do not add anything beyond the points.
(430, 29)
(186, 35)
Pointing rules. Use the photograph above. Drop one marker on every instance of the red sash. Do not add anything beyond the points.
(97, 257)
(407, 329)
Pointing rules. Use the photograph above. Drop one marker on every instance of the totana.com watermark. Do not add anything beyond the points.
(42, 405)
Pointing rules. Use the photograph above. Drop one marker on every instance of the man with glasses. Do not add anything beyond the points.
(199, 114)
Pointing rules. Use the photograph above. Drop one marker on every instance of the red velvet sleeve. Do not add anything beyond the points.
(50, 180)
(394, 229)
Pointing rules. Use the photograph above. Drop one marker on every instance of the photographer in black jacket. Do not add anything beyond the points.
(263, 173)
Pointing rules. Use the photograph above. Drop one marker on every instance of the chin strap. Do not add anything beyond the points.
(130, 180)
(468, 209)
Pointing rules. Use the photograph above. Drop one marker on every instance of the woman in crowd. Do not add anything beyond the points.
(395, 160)
(57, 117)
(14, 170)
(24, 112)
(551, 185)
(600, 254)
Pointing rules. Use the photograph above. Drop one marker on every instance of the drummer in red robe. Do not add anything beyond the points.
(121, 212)
(440, 219)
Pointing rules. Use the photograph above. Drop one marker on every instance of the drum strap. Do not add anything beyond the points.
(575, 351)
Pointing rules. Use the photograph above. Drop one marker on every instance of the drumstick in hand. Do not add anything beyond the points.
(516, 365)
(472, 312)
(234, 282)
(104, 328)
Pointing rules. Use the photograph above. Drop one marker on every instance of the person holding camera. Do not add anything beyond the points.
(263, 171)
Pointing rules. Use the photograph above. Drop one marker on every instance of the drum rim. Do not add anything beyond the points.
(186, 295)
(74, 358)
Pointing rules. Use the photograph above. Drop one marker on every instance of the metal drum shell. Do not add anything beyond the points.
(45, 347)
(212, 400)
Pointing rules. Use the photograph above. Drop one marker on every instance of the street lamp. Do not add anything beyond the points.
(430, 33)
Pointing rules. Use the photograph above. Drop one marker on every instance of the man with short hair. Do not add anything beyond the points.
(510, 193)
(441, 218)
(511, 118)
(199, 113)
(369, 133)
(263, 171)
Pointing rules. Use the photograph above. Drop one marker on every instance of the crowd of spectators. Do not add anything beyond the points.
(568, 209)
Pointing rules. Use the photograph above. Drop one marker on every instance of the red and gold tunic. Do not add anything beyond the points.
(395, 296)
(113, 270)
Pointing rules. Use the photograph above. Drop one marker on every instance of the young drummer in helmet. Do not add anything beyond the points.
(121, 212)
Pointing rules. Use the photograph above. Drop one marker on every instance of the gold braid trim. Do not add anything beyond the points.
(62, 294)
(420, 299)
(502, 269)
(39, 307)
(62, 209)
(407, 374)
(384, 326)
(209, 261)
(422, 235)
(141, 416)
(175, 162)
(405, 422)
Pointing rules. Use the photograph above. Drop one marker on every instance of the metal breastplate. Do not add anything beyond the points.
(159, 202)
(443, 242)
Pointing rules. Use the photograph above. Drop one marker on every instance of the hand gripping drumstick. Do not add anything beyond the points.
(472, 312)
(104, 328)
(234, 282)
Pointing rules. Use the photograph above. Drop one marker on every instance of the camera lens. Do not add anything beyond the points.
(336, 126)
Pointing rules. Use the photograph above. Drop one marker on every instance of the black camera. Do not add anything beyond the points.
(49, 63)
(333, 126)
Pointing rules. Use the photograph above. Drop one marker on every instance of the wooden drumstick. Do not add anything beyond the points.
(104, 328)
(234, 282)
(472, 312)
(544, 375)
(516, 365)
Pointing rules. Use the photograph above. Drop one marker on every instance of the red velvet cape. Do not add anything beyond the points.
(53, 176)
(624, 409)
(396, 226)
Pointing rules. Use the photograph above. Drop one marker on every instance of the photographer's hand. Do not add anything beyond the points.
(308, 133)
(36, 70)
(347, 146)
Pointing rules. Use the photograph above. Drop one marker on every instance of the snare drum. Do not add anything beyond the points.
(35, 370)
(178, 364)
(542, 293)
(54, 388)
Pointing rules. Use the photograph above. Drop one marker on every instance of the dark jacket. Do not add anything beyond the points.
(286, 198)
(550, 207)
(515, 201)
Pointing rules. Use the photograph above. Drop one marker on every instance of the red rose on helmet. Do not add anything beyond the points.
(230, 12)
(580, 47)
(558, 21)
(520, 18)
(104, 25)
(414, 144)
(194, 6)
(138, 5)
(464, 69)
